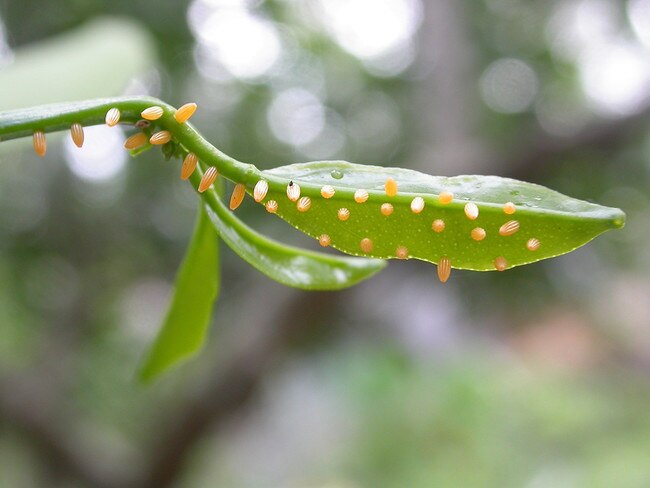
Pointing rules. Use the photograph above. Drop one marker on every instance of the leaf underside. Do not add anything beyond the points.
(560, 223)
(184, 329)
(288, 265)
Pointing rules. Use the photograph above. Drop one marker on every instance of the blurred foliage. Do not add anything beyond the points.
(111, 51)
(479, 424)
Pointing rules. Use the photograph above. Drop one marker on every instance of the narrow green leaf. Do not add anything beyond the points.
(288, 265)
(558, 223)
(184, 330)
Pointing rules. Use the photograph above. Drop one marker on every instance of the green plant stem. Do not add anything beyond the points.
(58, 117)
(20, 123)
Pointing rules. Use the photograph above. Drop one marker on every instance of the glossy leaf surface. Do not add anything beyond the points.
(197, 284)
(288, 265)
(558, 222)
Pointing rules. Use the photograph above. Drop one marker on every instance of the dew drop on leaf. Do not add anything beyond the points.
(336, 174)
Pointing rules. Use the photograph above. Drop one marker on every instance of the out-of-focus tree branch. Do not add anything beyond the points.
(447, 97)
(542, 151)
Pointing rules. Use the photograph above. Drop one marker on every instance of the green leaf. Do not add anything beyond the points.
(288, 265)
(558, 222)
(184, 330)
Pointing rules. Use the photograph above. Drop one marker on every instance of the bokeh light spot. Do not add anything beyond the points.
(616, 79)
(6, 54)
(370, 29)
(102, 156)
(296, 116)
(245, 45)
(508, 86)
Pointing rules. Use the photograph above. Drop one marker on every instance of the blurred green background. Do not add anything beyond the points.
(537, 377)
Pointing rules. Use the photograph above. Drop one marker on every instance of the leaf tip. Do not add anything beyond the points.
(618, 218)
(155, 364)
(146, 374)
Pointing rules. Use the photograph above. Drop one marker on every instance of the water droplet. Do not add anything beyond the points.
(336, 174)
(514, 192)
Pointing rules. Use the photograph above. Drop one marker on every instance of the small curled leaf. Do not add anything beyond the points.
(288, 265)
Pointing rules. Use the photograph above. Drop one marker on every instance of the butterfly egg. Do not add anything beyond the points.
(478, 233)
(402, 252)
(327, 191)
(293, 191)
(391, 187)
(160, 137)
(471, 211)
(208, 178)
(152, 113)
(303, 204)
(533, 244)
(40, 144)
(438, 225)
(238, 194)
(184, 112)
(365, 245)
(324, 240)
(509, 228)
(417, 205)
(260, 190)
(445, 197)
(343, 214)
(360, 196)
(271, 206)
(77, 134)
(444, 269)
(136, 141)
(189, 165)
(509, 208)
(112, 117)
(386, 209)
(500, 263)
